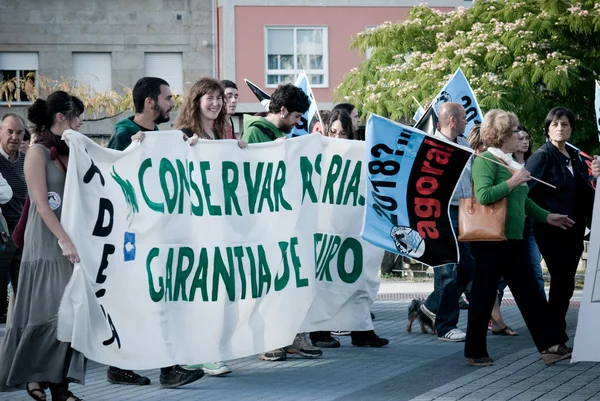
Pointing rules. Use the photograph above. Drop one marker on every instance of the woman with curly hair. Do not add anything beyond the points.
(202, 112)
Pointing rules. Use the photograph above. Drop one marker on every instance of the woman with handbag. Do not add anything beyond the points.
(560, 164)
(31, 357)
(494, 184)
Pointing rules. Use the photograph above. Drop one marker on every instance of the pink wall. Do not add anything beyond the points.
(343, 23)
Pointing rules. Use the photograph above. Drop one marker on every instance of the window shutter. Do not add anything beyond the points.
(168, 66)
(94, 69)
(19, 61)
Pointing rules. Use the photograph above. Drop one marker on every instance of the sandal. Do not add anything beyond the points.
(60, 392)
(38, 394)
(505, 331)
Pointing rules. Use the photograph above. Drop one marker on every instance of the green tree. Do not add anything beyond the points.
(98, 105)
(525, 56)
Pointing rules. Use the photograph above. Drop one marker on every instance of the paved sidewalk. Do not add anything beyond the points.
(413, 366)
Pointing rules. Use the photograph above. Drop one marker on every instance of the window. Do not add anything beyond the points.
(93, 69)
(168, 66)
(17, 76)
(290, 51)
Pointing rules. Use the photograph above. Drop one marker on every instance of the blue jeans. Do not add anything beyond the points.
(449, 282)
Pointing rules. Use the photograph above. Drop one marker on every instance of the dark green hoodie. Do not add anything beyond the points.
(124, 130)
(255, 127)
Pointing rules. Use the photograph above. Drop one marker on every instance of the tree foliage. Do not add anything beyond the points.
(98, 105)
(525, 56)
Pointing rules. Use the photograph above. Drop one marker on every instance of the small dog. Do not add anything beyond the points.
(415, 312)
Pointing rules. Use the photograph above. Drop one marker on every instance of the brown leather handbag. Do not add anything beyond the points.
(477, 222)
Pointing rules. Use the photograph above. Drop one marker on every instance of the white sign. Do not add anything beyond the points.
(212, 252)
(586, 348)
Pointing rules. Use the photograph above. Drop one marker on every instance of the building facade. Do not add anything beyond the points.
(112, 43)
(270, 41)
(106, 44)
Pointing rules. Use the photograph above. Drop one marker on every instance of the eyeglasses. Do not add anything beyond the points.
(335, 133)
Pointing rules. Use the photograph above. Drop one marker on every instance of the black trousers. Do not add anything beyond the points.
(561, 250)
(511, 260)
(10, 262)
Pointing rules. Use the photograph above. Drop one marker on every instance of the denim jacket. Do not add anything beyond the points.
(463, 187)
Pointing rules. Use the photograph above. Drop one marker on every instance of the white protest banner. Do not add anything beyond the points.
(204, 253)
(457, 89)
(346, 266)
(586, 336)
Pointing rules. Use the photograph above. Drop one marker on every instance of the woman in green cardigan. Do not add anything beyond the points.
(510, 258)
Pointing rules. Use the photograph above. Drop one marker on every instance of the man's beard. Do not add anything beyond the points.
(162, 117)
(287, 128)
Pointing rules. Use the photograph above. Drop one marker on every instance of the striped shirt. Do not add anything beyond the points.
(12, 171)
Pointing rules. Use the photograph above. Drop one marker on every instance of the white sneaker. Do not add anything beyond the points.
(213, 368)
(454, 335)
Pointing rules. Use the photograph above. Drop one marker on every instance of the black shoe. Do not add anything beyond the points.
(372, 316)
(323, 339)
(120, 376)
(368, 339)
(178, 376)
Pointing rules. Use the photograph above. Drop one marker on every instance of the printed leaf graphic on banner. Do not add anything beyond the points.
(410, 180)
(262, 96)
(597, 107)
(310, 121)
(458, 90)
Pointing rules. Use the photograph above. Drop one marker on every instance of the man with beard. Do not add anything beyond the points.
(153, 101)
(12, 132)
(288, 104)
(231, 100)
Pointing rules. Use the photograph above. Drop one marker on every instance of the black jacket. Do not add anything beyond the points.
(574, 194)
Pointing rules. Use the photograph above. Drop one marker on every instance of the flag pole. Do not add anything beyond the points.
(316, 104)
(415, 99)
(512, 169)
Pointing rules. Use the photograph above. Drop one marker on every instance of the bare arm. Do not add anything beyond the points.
(35, 176)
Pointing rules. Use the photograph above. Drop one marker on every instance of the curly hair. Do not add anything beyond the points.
(190, 116)
(497, 127)
(291, 97)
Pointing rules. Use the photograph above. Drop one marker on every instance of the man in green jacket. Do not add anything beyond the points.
(288, 104)
(153, 101)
